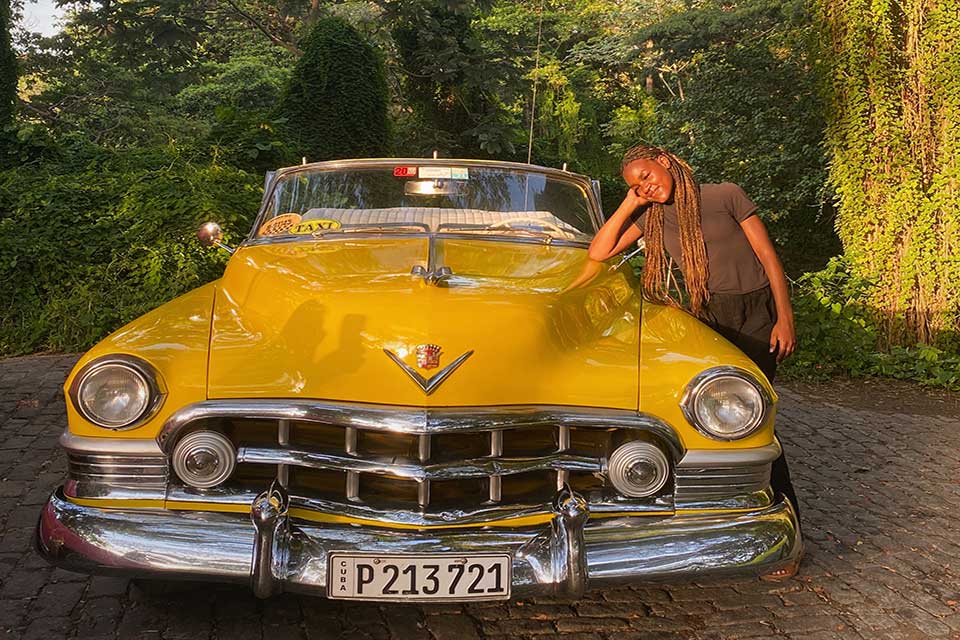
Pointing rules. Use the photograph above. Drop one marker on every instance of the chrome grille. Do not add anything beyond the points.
(421, 464)
(373, 464)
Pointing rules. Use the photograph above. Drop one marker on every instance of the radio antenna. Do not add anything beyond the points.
(536, 69)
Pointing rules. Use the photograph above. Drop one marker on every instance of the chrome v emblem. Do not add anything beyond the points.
(428, 385)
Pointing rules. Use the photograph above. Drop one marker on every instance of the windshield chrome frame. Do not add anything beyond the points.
(594, 209)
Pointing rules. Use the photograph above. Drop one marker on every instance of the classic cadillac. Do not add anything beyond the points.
(412, 384)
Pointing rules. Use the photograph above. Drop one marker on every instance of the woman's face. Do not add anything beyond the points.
(650, 179)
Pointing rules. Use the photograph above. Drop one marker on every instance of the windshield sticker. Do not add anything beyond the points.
(405, 172)
(310, 226)
(445, 173)
(278, 225)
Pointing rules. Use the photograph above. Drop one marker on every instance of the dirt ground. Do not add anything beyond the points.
(881, 394)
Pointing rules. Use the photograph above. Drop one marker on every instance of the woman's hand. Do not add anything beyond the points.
(783, 339)
(618, 232)
(633, 200)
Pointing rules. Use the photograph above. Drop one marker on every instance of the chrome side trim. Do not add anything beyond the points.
(475, 468)
(103, 491)
(109, 445)
(415, 420)
(730, 457)
(110, 468)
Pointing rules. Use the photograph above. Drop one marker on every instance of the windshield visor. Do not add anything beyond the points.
(428, 199)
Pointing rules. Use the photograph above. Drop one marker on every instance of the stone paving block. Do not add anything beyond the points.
(801, 598)
(806, 624)
(44, 628)
(406, 622)
(56, 600)
(282, 632)
(545, 611)
(12, 612)
(23, 584)
(368, 632)
(451, 627)
(107, 586)
(517, 626)
(925, 622)
(590, 625)
(754, 629)
(140, 621)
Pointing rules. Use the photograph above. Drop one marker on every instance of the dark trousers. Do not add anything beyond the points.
(746, 320)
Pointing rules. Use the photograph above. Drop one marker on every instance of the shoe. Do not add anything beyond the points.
(783, 573)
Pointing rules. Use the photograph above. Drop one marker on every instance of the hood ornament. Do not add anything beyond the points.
(428, 357)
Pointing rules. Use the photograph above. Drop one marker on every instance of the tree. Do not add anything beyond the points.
(336, 102)
(893, 87)
(732, 91)
(8, 68)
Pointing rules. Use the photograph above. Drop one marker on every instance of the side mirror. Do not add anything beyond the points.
(211, 235)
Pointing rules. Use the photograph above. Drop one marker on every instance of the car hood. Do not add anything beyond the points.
(542, 324)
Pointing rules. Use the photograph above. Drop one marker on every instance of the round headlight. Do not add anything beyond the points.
(638, 469)
(725, 403)
(115, 393)
(204, 459)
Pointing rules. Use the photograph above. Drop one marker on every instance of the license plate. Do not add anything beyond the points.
(446, 576)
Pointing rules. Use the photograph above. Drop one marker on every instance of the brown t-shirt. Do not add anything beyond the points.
(734, 267)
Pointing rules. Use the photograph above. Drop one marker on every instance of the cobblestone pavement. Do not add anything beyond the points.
(877, 472)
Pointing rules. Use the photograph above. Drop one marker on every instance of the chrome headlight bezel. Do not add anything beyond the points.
(131, 364)
(702, 381)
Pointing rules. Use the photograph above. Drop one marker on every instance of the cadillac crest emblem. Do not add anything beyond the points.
(428, 356)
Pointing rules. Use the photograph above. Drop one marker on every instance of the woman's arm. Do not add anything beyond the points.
(783, 338)
(618, 232)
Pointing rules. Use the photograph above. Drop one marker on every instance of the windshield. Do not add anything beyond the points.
(428, 199)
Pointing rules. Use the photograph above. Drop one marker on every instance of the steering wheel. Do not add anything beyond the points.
(546, 224)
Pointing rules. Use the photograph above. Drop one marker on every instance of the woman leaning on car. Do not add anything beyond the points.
(733, 278)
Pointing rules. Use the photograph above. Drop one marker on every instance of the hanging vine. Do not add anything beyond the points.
(892, 73)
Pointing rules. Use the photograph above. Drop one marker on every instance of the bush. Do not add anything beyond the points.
(838, 333)
(86, 248)
(336, 102)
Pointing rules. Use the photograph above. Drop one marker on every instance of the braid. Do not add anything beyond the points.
(686, 196)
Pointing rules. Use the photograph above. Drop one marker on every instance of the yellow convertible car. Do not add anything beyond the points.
(412, 384)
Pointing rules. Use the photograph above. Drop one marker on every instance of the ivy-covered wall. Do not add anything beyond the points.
(892, 72)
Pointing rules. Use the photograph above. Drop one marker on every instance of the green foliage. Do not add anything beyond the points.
(735, 97)
(838, 334)
(8, 69)
(336, 102)
(892, 79)
(238, 106)
(247, 82)
(750, 114)
(89, 244)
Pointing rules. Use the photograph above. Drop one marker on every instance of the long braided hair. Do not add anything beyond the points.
(686, 197)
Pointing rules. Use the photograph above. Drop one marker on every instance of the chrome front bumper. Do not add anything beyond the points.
(274, 553)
